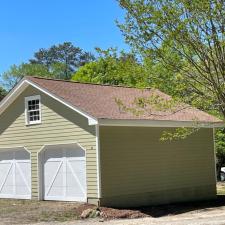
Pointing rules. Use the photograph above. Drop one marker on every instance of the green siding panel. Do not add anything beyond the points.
(138, 169)
(59, 125)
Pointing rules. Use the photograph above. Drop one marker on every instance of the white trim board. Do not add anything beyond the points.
(27, 119)
(157, 123)
(12, 95)
(23, 84)
(98, 162)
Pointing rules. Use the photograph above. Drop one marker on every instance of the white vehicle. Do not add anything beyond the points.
(222, 174)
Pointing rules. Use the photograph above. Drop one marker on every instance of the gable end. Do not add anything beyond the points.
(24, 83)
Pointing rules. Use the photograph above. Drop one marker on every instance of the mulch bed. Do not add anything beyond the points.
(153, 211)
(111, 213)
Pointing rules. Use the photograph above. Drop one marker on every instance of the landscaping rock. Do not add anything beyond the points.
(90, 213)
(86, 213)
(95, 213)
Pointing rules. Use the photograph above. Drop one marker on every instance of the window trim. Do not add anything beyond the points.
(30, 98)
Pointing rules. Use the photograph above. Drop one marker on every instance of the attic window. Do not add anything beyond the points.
(33, 110)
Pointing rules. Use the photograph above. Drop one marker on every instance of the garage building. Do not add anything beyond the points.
(71, 141)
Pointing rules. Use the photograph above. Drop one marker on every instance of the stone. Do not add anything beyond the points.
(86, 213)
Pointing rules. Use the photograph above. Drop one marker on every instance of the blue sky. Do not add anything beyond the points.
(27, 25)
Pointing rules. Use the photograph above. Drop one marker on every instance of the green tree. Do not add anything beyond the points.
(2, 93)
(58, 61)
(16, 73)
(123, 68)
(194, 32)
(113, 68)
(65, 57)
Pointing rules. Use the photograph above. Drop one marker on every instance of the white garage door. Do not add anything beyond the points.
(64, 173)
(15, 174)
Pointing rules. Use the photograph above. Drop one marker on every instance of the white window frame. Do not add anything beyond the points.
(27, 99)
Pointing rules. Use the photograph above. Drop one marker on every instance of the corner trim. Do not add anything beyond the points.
(98, 161)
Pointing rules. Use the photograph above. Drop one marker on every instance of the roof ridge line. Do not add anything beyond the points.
(78, 82)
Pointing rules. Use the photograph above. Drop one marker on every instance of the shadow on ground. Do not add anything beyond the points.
(163, 210)
(175, 209)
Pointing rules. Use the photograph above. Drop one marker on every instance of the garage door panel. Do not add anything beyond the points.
(77, 165)
(6, 156)
(53, 154)
(22, 155)
(4, 169)
(74, 181)
(15, 174)
(77, 168)
(54, 181)
(64, 174)
(24, 167)
(7, 186)
(53, 173)
(22, 178)
(75, 152)
(73, 193)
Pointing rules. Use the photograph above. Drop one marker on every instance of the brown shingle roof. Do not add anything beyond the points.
(99, 101)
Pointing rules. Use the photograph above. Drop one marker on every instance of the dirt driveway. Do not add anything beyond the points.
(208, 216)
(27, 212)
(58, 213)
(216, 218)
(55, 213)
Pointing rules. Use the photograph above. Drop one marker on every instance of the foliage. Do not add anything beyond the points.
(192, 30)
(2, 93)
(123, 68)
(59, 61)
(153, 105)
(16, 73)
(220, 149)
(178, 134)
(113, 68)
(159, 77)
(64, 58)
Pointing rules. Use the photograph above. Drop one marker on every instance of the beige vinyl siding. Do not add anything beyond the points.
(138, 169)
(59, 125)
